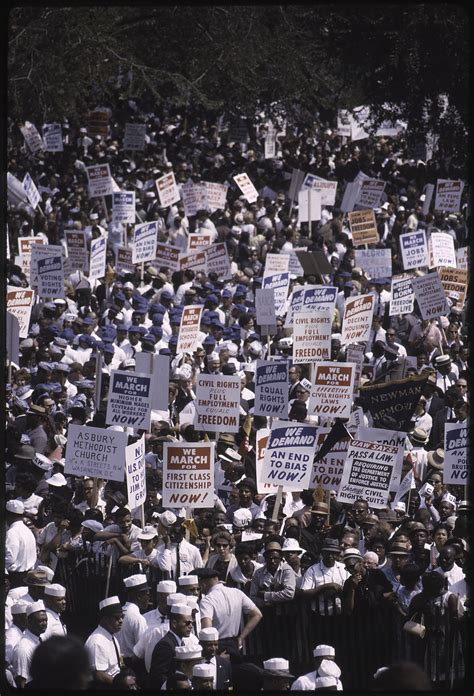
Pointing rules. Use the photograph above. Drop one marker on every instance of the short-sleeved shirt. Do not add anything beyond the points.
(133, 627)
(102, 653)
(23, 653)
(225, 607)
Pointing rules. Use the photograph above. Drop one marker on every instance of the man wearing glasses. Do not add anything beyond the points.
(390, 337)
(294, 376)
(162, 660)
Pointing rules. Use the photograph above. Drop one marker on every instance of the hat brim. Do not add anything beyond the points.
(278, 673)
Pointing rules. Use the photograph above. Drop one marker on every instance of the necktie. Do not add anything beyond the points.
(178, 563)
(444, 380)
(40, 639)
(162, 619)
(116, 651)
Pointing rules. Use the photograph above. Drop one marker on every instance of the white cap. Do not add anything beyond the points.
(306, 384)
(148, 532)
(167, 518)
(135, 581)
(204, 670)
(55, 590)
(175, 598)
(93, 525)
(324, 650)
(232, 454)
(186, 580)
(351, 553)
(109, 601)
(323, 682)
(181, 609)
(20, 607)
(379, 672)
(276, 664)
(192, 602)
(15, 506)
(57, 480)
(242, 517)
(34, 607)
(46, 569)
(166, 586)
(401, 507)
(328, 668)
(291, 545)
(209, 633)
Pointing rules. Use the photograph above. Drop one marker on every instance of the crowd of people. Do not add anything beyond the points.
(192, 594)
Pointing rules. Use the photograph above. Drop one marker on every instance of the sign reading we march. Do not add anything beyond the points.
(100, 180)
(414, 250)
(130, 400)
(95, 452)
(368, 473)
(332, 391)
(188, 474)
(189, 329)
(217, 403)
(289, 455)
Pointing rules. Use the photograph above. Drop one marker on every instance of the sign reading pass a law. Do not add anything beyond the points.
(331, 394)
(367, 473)
(95, 452)
(188, 475)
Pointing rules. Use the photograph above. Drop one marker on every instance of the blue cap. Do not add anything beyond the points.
(43, 365)
(88, 340)
(157, 331)
(68, 334)
(227, 333)
(62, 367)
(212, 298)
(205, 319)
(349, 284)
(216, 324)
(212, 315)
(209, 341)
(157, 320)
(121, 327)
(120, 297)
(241, 308)
(173, 341)
(164, 351)
(143, 330)
(226, 293)
(88, 321)
(379, 281)
(344, 274)
(133, 329)
(108, 348)
(166, 295)
(157, 308)
(148, 338)
(55, 387)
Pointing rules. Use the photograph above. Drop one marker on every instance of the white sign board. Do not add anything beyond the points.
(462, 258)
(370, 193)
(217, 260)
(189, 329)
(19, 303)
(312, 335)
(97, 258)
(402, 297)
(51, 277)
(32, 192)
(247, 187)
(276, 263)
(332, 391)
(265, 307)
(377, 263)
(167, 256)
(327, 472)
(136, 473)
(77, 252)
(41, 251)
(52, 137)
(456, 459)
(327, 189)
(159, 367)
(271, 389)
(188, 475)
(261, 440)
(309, 205)
(129, 402)
(430, 295)
(448, 195)
(123, 259)
(32, 137)
(289, 455)
(357, 319)
(279, 283)
(134, 136)
(123, 207)
(441, 250)
(95, 452)
(216, 195)
(396, 438)
(368, 473)
(100, 180)
(217, 403)
(167, 190)
(414, 250)
(144, 242)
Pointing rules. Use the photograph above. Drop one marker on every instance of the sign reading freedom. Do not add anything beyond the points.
(392, 404)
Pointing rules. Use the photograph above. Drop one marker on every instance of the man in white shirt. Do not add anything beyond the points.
(37, 622)
(176, 555)
(134, 624)
(103, 646)
(15, 633)
(55, 603)
(220, 666)
(448, 567)
(325, 580)
(157, 623)
(325, 666)
(447, 374)
(20, 544)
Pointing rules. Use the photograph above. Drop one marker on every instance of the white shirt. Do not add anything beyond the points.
(55, 625)
(454, 575)
(225, 606)
(12, 636)
(145, 646)
(189, 558)
(20, 548)
(133, 627)
(318, 574)
(22, 654)
(307, 682)
(103, 656)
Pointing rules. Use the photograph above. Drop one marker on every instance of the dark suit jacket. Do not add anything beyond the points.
(436, 404)
(162, 660)
(223, 673)
(437, 429)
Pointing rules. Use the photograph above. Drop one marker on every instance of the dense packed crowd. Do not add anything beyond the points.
(196, 593)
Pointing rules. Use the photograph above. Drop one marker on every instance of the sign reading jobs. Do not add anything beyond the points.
(188, 475)
(217, 403)
(95, 452)
(367, 473)
(289, 455)
(130, 399)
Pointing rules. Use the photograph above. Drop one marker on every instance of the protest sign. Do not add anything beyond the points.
(454, 282)
(462, 258)
(408, 482)
(414, 250)
(134, 136)
(217, 403)
(19, 303)
(370, 193)
(32, 138)
(216, 195)
(294, 266)
(25, 245)
(158, 366)
(441, 250)
(430, 295)
(289, 455)
(312, 335)
(188, 474)
(448, 195)
(318, 297)
(332, 391)
(77, 252)
(265, 308)
(98, 123)
(32, 192)
(396, 438)
(12, 330)
(276, 263)
(377, 263)
(363, 227)
(52, 137)
(456, 459)
(42, 251)
(95, 452)
(271, 389)
(129, 402)
(194, 197)
(197, 261)
(393, 402)
(167, 190)
(350, 194)
(247, 187)
(189, 329)
(297, 178)
(97, 258)
(199, 240)
(343, 127)
(270, 144)
(327, 472)
(123, 207)
(278, 282)
(355, 353)
(144, 242)
(368, 472)
(428, 194)
(294, 305)
(261, 440)
(309, 205)
(217, 260)
(167, 256)
(402, 297)
(357, 319)
(327, 189)
(135, 472)
(100, 180)
(51, 277)
(123, 259)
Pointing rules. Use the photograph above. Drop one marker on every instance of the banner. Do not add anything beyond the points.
(188, 475)
(279, 283)
(309, 205)
(402, 297)
(77, 252)
(454, 282)
(217, 260)
(414, 250)
(247, 187)
(367, 473)
(448, 195)
(167, 256)
(393, 401)
(199, 240)
(129, 400)
(100, 180)
(357, 319)
(51, 277)
(32, 137)
(217, 403)
(355, 353)
(135, 471)
(370, 193)
(189, 329)
(456, 459)
(396, 438)
(350, 194)
(271, 389)
(197, 261)
(363, 227)
(144, 242)
(123, 259)
(32, 192)
(52, 137)
(261, 440)
(377, 263)
(332, 391)
(134, 136)
(441, 250)
(265, 307)
(123, 207)
(95, 452)
(327, 472)
(276, 263)
(167, 190)
(19, 303)
(289, 455)
(430, 295)
(312, 335)
(97, 258)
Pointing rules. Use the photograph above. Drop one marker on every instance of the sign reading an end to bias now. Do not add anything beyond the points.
(188, 475)
(331, 394)
(289, 455)
(129, 400)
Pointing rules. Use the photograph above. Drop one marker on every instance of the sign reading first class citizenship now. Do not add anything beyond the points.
(188, 474)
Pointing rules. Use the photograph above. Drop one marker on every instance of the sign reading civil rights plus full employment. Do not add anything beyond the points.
(95, 452)
(130, 400)
(289, 455)
(357, 319)
(312, 335)
(271, 389)
(217, 403)
(456, 459)
(368, 473)
(188, 474)
(332, 391)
